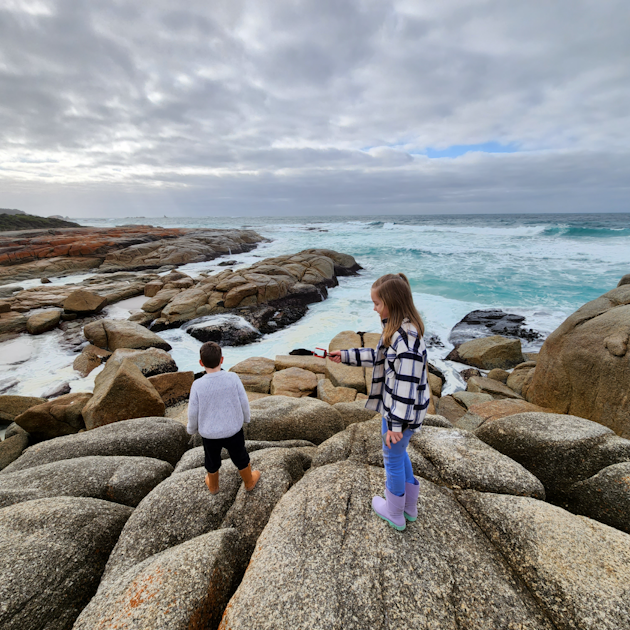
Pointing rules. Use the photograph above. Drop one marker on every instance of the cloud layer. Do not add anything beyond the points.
(313, 107)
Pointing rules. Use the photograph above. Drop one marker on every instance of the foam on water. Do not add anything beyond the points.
(543, 267)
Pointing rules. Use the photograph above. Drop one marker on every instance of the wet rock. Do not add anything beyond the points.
(576, 568)
(7, 383)
(478, 384)
(605, 496)
(150, 362)
(12, 322)
(55, 391)
(121, 392)
(42, 322)
(558, 449)
(5, 306)
(624, 280)
(54, 418)
(173, 387)
(332, 395)
(125, 480)
(177, 510)
(152, 288)
(159, 300)
(491, 322)
(294, 382)
(12, 406)
(325, 526)
(469, 373)
(159, 438)
(487, 353)
(90, 358)
(84, 302)
(187, 586)
(285, 418)
(595, 340)
(230, 331)
(113, 334)
(53, 552)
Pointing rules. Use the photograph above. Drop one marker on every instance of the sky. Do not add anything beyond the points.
(314, 107)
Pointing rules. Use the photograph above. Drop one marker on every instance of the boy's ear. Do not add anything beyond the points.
(221, 361)
(201, 363)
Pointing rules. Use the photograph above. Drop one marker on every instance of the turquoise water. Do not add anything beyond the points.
(541, 266)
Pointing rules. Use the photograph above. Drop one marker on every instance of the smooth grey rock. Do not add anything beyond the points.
(194, 458)
(352, 412)
(558, 449)
(362, 442)
(436, 420)
(577, 569)
(187, 586)
(123, 480)
(286, 418)
(151, 362)
(52, 554)
(470, 398)
(325, 560)
(280, 468)
(605, 496)
(161, 438)
(111, 335)
(177, 510)
(462, 460)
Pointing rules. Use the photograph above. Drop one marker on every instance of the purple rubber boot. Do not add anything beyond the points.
(411, 501)
(390, 509)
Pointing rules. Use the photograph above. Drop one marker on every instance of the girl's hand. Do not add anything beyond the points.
(335, 356)
(393, 437)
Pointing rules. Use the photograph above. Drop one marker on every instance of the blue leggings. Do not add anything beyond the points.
(398, 469)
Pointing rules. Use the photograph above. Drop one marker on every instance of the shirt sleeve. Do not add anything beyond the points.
(193, 412)
(242, 396)
(408, 367)
(361, 357)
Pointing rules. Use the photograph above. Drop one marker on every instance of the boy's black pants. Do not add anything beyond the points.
(235, 445)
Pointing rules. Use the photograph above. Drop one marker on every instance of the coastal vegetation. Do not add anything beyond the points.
(18, 220)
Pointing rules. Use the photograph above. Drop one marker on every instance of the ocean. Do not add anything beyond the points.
(543, 267)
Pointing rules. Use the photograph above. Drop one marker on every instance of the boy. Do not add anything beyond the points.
(217, 409)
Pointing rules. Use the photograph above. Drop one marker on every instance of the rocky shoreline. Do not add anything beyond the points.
(524, 517)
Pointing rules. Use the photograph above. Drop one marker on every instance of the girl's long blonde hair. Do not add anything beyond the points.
(395, 292)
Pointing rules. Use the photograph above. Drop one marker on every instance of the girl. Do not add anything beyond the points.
(399, 392)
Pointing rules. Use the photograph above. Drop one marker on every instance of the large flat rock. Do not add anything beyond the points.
(52, 555)
(577, 569)
(441, 572)
(160, 438)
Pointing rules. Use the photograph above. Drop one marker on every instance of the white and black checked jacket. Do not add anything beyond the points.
(399, 385)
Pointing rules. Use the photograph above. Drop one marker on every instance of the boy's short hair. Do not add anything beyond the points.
(210, 354)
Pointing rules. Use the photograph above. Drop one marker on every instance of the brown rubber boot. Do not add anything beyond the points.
(212, 481)
(250, 477)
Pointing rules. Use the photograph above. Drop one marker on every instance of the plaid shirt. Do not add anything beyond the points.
(399, 384)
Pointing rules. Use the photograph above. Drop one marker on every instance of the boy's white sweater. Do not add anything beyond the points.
(218, 406)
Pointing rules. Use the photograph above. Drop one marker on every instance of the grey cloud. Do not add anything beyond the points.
(318, 104)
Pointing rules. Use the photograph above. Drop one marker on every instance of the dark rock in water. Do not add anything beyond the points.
(7, 383)
(7, 292)
(469, 373)
(433, 341)
(233, 332)
(53, 554)
(57, 390)
(491, 322)
(269, 319)
(301, 352)
(227, 263)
